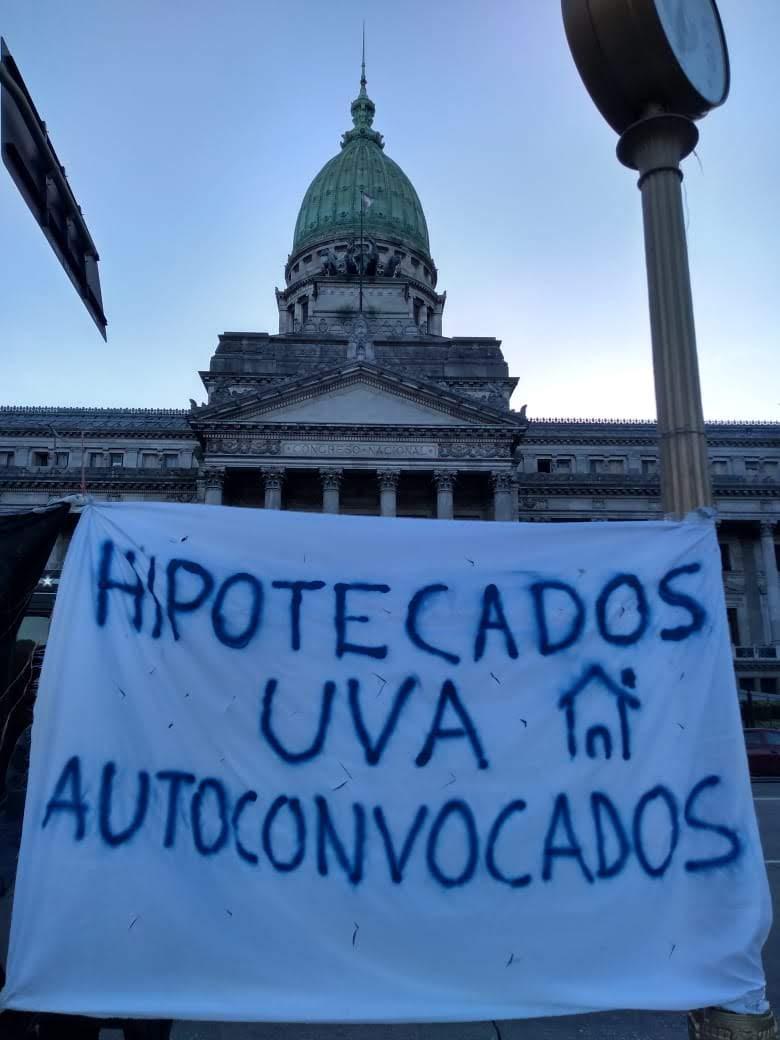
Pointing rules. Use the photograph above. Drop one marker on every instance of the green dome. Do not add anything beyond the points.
(331, 206)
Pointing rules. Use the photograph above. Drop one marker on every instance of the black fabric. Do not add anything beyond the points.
(26, 540)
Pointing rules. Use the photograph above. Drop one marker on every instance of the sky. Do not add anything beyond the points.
(190, 130)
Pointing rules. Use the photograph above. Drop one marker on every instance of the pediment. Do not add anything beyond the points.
(358, 394)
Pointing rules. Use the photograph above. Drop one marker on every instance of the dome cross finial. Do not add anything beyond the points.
(363, 107)
(363, 64)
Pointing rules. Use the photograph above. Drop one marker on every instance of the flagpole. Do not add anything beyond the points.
(361, 253)
(362, 190)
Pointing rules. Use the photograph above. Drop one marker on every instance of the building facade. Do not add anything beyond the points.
(360, 404)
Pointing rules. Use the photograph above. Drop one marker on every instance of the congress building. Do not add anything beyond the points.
(361, 404)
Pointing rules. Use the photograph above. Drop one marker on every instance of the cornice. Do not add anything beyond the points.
(392, 381)
(581, 437)
(103, 487)
(355, 431)
(63, 433)
(126, 479)
(630, 486)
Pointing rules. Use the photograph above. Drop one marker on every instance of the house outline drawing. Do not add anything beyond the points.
(624, 700)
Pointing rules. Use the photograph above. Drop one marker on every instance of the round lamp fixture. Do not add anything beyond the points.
(640, 56)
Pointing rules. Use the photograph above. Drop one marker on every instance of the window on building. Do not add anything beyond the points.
(720, 467)
(150, 460)
(116, 459)
(61, 459)
(752, 466)
(564, 465)
(733, 617)
(304, 301)
(170, 460)
(725, 556)
(771, 468)
(307, 259)
(767, 684)
(95, 459)
(6, 458)
(544, 465)
(616, 465)
(649, 467)
(418, 306)
(40, 458)
(415, 263)
(35, 629)
(427, 273)
(777, 555)
(596, 465)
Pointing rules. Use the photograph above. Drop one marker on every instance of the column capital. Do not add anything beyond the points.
(502, 479)
(214, 477)
(444, 479)
(388, 479)
(273, 476)
(767, 528)
(331, 478)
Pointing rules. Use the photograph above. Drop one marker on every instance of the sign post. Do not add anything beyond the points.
(651, 67)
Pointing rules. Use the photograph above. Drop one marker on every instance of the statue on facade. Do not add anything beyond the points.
(393, 266)
(330, 262)
(370, 258)
(351, 263)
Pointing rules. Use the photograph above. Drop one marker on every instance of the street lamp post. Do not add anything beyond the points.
(652, 67)
(654, 146)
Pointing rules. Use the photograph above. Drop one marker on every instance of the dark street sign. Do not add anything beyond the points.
(32, 162)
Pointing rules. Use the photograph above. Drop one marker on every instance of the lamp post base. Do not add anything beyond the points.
(716, 1024)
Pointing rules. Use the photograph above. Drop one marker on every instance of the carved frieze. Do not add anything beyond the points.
(359, 449)
(377, 328)
(474, 450)
(242, 446)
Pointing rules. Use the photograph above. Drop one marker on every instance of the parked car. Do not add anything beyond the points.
(763, 751)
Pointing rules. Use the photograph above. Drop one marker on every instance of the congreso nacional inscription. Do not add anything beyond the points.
(360, 449)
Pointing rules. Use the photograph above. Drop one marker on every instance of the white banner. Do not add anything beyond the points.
(300, 767)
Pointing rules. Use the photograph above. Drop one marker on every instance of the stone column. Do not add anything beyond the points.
(503, 494)
(770, 574)
(273, 478)
(331, 483)
(388, 490)
(444, 479)
(214, 480)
